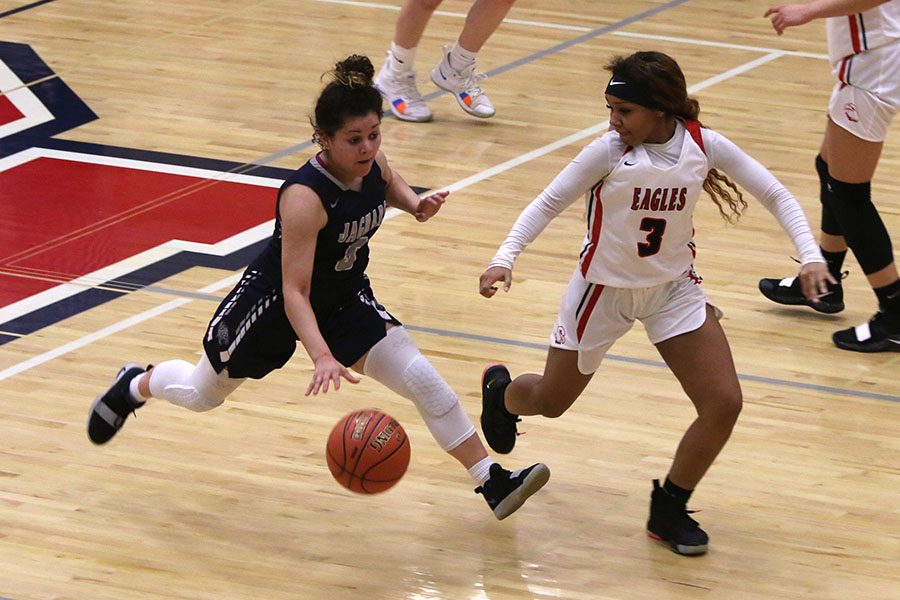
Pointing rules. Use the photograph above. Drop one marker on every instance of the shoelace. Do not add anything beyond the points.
(408, 89)
(469, 77)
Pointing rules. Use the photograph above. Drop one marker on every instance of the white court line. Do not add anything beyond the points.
(583, 29)
(463, 183)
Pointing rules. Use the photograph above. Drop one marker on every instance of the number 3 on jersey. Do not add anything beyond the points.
(655, 229)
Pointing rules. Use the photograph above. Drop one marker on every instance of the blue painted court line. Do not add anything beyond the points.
(658, 363)
(18, 10)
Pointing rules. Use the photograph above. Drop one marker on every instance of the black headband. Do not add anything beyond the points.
(629, 92)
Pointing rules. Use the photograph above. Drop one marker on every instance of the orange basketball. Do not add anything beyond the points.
(367, 451)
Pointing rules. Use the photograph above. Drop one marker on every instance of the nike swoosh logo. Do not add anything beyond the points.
(628, 164)
(441, 72)
(616, 83)
(335, 203)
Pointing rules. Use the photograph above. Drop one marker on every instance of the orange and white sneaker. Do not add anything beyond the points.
(462, 85)
(398, 88)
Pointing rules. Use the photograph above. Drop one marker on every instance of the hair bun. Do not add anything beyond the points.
(354, 71)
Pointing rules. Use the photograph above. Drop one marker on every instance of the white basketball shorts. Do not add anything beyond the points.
(866, 105)
(592, 316)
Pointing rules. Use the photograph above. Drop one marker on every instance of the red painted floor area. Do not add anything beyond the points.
(69, 218)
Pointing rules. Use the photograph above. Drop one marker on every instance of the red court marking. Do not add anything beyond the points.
(47, 199)
(8, 111)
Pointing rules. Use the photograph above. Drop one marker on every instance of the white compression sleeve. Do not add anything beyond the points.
(591, 165)
(396, 363)
(198, 388)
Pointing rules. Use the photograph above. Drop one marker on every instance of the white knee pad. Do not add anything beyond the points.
(197, 388)
(396, 363)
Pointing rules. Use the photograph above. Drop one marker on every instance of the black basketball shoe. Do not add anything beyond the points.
(110, 409)
(671, 524)
(497, 423)
(506, 491)
(880, 334)
(787, 291)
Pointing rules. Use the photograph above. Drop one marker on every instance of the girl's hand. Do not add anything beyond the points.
(430, 205)
(814, 280)
(328, 370)
(490, 277)
(788, 15)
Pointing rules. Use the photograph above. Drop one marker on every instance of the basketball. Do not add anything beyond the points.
(367, 451)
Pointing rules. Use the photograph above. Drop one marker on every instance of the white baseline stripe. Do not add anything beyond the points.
(143, 165)
(584, 133)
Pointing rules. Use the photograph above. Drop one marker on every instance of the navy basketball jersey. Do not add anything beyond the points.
(342, 247)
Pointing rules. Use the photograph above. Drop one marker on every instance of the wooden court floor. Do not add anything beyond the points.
(140, 146)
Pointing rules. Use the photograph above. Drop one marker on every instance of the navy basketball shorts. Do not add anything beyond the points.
(251, 336)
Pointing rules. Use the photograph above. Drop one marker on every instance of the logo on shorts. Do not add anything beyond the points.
(222, 335)
(560, 335)
(851, 113)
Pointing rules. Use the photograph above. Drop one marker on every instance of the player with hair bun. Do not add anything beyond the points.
(310, 284)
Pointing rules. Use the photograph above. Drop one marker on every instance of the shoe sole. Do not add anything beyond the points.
(885, 346)
(534, 481)
(461, 104)
(679, 548)
(97, 400)
(822, 307)
(483, 409)
(408, 119)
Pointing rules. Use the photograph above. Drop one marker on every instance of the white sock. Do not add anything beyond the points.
(402, 57)
(135, 391)
(460, 58)
(480, 471)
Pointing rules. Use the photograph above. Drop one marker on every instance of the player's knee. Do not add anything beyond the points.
(852, 205)
(732, 405)
(429, 390)
(861, 224)
(724, 408)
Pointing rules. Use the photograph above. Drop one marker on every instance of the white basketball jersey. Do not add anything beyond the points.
(640, 217)
(852, 34)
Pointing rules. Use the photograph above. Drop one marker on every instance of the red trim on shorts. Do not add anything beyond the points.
(586, 315)
(596, 226)
(842, 71)
(854, 34)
